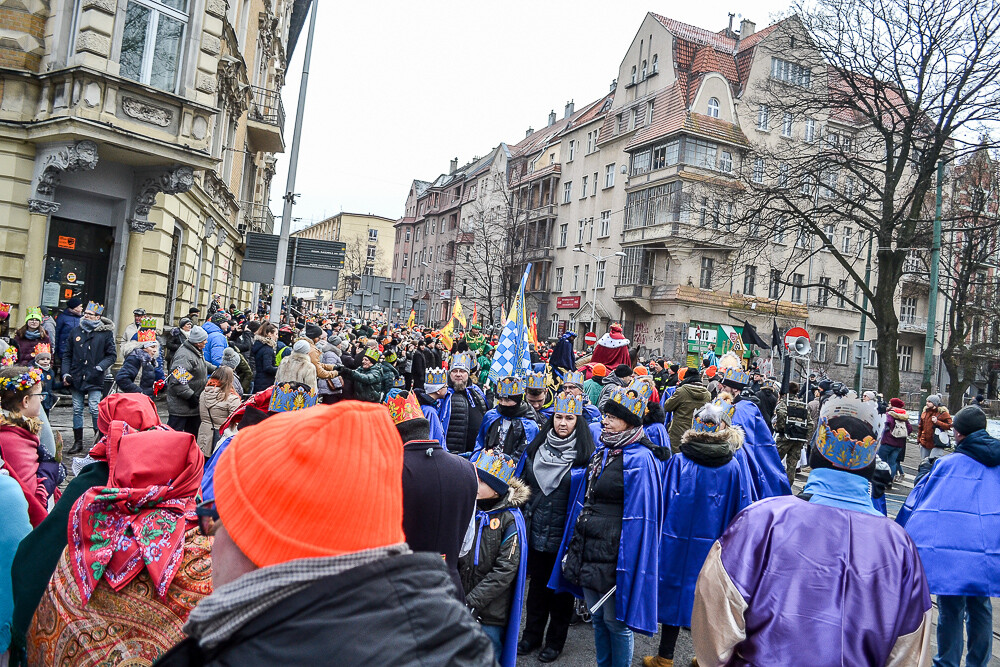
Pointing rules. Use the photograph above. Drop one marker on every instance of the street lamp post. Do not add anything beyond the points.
(593, 301)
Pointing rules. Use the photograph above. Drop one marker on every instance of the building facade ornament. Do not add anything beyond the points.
(43, 206)
(77, 157)
(233, 88)
(211, 227)
(170, 182)
(146, 112)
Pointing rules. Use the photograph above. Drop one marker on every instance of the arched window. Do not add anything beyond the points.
(656, 64)
(713, 107)
(633, 73)
(643, 69)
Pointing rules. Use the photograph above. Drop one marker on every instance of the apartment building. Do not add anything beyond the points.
(368, 249)
(137, 148)
(629, 207)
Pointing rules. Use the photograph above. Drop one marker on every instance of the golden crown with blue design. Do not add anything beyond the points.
(836, 445)
(713, 417)
(510, 386)
(461, 360)
(496, 465)
(436, 376)
(574, 377)
(399, 382)
(536, 381)
(730, 368)
(95, 308)
(291, 396)
(568, 404)
(633, 397)
(403, 408)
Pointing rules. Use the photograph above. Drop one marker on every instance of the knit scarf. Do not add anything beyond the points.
(115, 531)
(32, 335)
(622, 439)
(89, 325)
(553, 460)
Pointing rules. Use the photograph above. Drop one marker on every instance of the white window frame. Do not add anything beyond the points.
(843, 350)
(758, 170)
(819, 349)
(572, 150)
(567, 192)
(786, 125)
(576, 278)
(559, 280)
(763, 117)
(563, 234)
(583, 188)
(810, 130)
(157, 8)
(905, 353)
(599, 275)
(713, 107)
(605, 230)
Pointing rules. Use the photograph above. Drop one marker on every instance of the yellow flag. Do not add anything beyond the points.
(446, 333)
(409, 322)
(457, 312)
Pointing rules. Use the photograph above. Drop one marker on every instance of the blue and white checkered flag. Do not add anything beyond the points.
(513, 356)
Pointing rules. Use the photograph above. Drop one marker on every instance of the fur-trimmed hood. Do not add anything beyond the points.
(518, 494)
(265, 341)
(104, 325)
(733, 436)
(654, 414)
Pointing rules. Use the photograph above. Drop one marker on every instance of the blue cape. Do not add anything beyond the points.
(208, 478)
(530, 431)
(700, 502)
(667, 393)
(636, 580)
(562, 353)
(953, 516)
(437, 430)
(444, 404)
(657, 434)
(509, 651)
(759, 456)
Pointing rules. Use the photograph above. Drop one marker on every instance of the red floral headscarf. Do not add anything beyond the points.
(140, 517)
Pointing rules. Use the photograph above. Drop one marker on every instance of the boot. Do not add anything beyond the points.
(77, 442)
(657, 661)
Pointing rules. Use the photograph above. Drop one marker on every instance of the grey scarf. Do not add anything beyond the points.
(553, 460)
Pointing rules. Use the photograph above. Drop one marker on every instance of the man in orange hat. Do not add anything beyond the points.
(312, 569)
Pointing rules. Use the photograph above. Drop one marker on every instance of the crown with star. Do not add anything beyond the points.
(574, 377)
(497, 464)
(291, 396)
(713, 416)
(436, 376)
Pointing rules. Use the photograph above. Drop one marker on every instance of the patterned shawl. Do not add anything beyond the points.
(140, 518)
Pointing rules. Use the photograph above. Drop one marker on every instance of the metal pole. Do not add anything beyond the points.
(293, 162)
(932, 297)
(864, 310)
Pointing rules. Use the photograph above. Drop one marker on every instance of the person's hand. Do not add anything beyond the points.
(193, 402)
(934, 419)
(67, 379)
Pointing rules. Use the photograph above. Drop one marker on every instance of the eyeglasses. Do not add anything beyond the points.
(208, 518)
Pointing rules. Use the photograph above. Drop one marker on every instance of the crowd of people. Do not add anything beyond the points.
(362, 492)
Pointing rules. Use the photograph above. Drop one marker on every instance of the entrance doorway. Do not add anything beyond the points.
(79, 258)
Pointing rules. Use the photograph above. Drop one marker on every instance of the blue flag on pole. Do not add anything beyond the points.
(513, 356)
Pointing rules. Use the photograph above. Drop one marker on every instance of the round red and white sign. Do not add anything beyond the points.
(793, 333)
(590, 338)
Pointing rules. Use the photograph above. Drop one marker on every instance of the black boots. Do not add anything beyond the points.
(77, 442)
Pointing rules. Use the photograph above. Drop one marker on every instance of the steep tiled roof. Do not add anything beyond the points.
(541, 138)
(670, 115)
(697, 35)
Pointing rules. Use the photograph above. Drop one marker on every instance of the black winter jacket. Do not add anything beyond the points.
(439, 498)
(767, 400)
(85, 351)
(137, 374)
(418, 369)
(489, 586)
(396, 611)
(599, 526)
(265, 368)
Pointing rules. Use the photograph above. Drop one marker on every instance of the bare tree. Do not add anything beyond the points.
(358, 260)
(884, 89)
(966, 268)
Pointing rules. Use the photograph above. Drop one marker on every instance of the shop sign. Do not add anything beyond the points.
(71, 277)
(564, 302)
(67, 242)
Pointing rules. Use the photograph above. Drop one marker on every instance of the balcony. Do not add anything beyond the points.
(916, 325)
(255, 218)
(266, 120)
(537, 254)
(542, 212)
(637, 295)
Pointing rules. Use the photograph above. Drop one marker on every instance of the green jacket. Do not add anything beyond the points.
(593, 389)
(367, 383)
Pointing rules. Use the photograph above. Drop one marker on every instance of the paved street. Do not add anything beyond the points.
(579, 648)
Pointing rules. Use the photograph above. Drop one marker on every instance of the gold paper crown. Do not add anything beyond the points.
(436, 376)
(42, 348)
(569, 404)
(536, 380)
(633, 397)
(146, 336)
(403, 409)
(575, 377)
(510, 386)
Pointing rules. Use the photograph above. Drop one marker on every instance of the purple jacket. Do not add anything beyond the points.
(887, 438)
(790, 577)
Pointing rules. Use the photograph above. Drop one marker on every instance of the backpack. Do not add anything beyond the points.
(898, 428)
(797, 420)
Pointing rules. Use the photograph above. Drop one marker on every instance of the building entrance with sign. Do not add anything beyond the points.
(77, 262)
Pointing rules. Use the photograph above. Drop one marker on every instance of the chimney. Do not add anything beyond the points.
(614, 84)
(569, 109)
(747, 28)
(729, 30)
(529, 132)
(454, 165)
(552, 117)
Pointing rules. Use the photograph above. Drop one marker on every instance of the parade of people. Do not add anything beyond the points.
(699, 366)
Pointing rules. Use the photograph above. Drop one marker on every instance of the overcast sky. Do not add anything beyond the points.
(398, 89)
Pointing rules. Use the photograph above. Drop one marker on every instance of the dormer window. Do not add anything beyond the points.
(713, 107)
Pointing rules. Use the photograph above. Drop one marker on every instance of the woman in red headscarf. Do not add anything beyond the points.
(135, 561)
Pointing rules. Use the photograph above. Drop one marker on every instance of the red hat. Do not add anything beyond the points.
(897, 403)
(615, 331)
(276, 508)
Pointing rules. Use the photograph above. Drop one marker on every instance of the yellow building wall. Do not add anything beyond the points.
(17, 161)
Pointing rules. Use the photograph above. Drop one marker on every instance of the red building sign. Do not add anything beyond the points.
(564, 302)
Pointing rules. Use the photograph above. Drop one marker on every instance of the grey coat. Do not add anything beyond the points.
(182, 397)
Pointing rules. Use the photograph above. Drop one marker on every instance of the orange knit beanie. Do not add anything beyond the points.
(318, 482)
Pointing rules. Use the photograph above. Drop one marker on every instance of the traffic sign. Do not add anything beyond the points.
(792, 334)
(590, 338)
